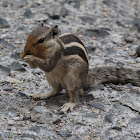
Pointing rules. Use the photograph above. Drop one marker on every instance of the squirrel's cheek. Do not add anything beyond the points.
(35, 52)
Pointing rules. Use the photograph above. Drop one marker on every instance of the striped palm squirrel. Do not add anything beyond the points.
(65, 62)
(63, 59)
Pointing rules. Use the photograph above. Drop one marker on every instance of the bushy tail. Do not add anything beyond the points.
(112, 74)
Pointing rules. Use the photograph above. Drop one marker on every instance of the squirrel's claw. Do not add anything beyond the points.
(66, 107)
(28, 58)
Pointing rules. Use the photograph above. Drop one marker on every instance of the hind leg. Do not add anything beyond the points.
(56, 88)
(74, 99)
(74, 89)
(75, 81)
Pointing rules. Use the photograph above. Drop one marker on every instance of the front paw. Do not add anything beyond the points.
(28, 58)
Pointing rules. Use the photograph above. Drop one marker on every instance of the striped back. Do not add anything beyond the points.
(73, 46)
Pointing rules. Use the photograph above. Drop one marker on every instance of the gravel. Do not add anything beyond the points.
(110, 31)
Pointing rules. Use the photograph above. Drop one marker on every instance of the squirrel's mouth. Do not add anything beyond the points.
(24, 53)
(27, 53)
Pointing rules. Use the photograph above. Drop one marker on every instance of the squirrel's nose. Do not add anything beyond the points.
(24, 53)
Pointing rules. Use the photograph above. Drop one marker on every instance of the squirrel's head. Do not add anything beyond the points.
(36, 40)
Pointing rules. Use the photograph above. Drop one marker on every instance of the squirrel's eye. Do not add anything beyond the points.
(41, 40)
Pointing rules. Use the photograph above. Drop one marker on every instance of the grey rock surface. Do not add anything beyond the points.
(28, 13)
(111, 110)
(41, 114)
(4, 23)
(16, 66)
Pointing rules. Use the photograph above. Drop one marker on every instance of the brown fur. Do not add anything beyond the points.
(62, 71)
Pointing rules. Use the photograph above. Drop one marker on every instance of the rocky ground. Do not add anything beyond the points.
(110, 30)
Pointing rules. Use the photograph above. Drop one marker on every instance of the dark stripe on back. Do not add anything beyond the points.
(74, 50)
(66, 39)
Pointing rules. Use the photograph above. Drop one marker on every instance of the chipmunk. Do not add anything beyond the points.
(63, 59)
(65, 62)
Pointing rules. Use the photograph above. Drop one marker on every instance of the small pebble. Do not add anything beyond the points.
(10, 122)
(27, 117)
(4, 23)
(138, 36)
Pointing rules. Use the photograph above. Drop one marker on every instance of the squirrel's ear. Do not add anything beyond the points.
(54, 31)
